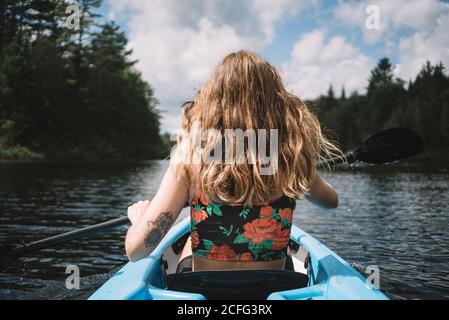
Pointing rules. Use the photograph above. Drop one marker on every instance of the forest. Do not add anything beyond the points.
(71, 92)
(421, 104)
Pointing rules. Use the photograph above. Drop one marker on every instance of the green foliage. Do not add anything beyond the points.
(244, 213)
(227, 232)
(18, 153)
(207, 245)
(72, 93)
(423, 105)
(214, 209)
(258, 248)
(241, 239)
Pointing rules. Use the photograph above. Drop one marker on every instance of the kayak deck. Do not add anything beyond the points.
(330, 277)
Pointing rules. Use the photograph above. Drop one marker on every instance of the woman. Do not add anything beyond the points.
(241, 213)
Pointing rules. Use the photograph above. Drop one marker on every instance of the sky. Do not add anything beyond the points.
(312, 43)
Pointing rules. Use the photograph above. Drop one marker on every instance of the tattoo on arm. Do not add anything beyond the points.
(157, 229)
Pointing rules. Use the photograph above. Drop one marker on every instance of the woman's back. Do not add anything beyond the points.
(247, 149)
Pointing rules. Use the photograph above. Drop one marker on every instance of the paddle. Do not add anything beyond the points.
(386, 146)
(383, 147)
(19, 251)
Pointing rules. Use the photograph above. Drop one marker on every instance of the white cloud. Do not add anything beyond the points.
(178, 43)
(421, 46)
(317, 63)
(414, 30)
(394, 14)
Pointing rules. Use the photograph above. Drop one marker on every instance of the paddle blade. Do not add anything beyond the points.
(390, 145)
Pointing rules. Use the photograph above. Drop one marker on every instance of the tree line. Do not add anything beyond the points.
(68, 88)
(421, 104)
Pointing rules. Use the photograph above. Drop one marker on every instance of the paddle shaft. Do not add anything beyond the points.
(68, 236)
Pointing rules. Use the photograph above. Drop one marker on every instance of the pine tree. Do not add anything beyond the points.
(343, 94)
(381, 75)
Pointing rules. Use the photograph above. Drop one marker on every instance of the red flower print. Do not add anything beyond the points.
(199, 216)
(224, 253)
(261, 229)
(195, 239)
(266, 211)
(246, 256)
(286, 213)
(203, 200)
(199, 197)
(281, 239)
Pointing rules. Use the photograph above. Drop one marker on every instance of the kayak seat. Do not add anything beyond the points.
(236, 284)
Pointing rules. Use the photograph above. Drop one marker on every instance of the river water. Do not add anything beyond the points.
(395, 217)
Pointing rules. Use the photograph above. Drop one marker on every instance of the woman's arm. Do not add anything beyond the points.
(152, 220)
(322, 194)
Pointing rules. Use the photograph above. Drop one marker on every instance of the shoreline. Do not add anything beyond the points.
(19, 154)
(128, 160)
(23, 154)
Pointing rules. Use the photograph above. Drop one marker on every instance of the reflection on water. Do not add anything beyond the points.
(391, 216)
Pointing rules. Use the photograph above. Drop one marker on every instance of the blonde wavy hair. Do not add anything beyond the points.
(246, 92)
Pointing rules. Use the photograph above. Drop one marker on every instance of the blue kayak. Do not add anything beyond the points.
(319, 274)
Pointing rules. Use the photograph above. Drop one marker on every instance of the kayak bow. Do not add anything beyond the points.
(329, 276)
